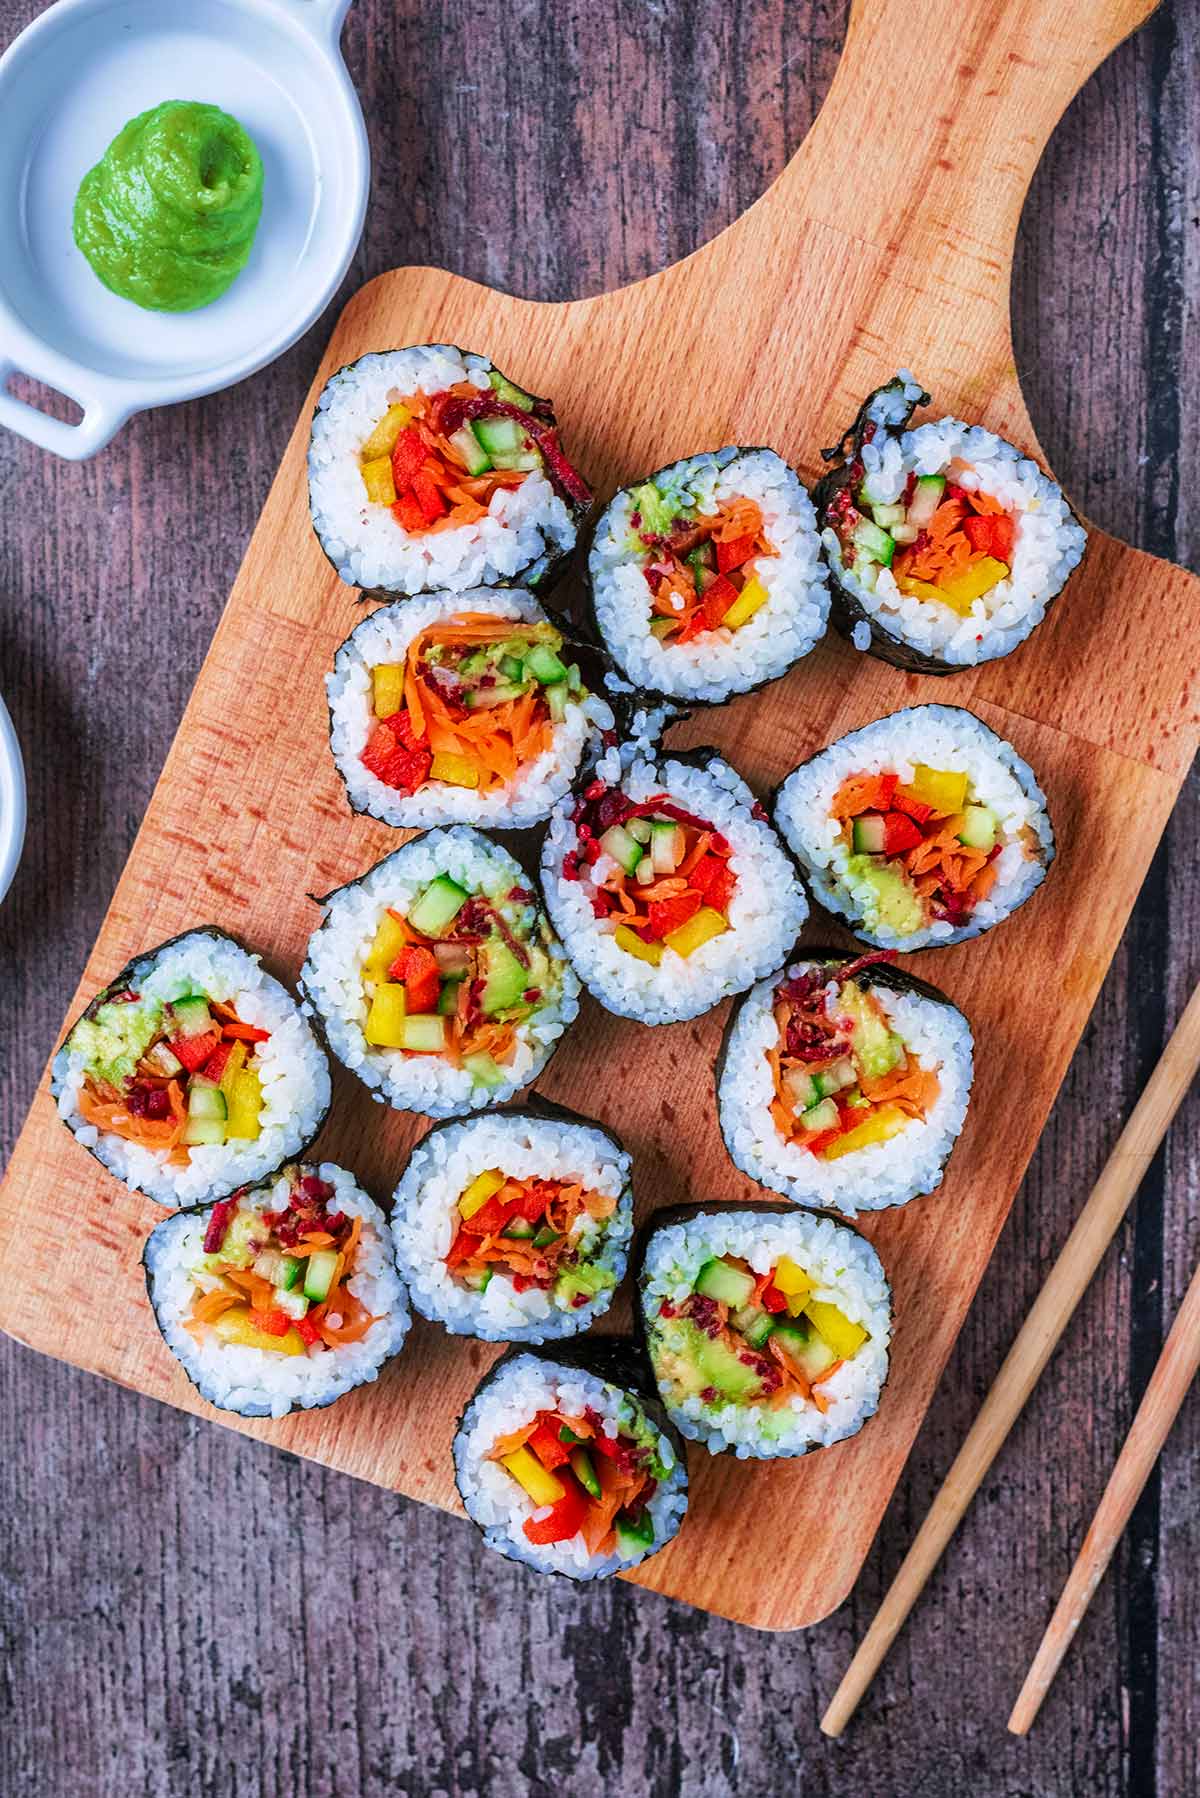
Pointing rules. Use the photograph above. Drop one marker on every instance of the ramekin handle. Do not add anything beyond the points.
(103, 414)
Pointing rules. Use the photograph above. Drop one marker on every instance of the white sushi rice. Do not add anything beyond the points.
(384, 638)
(332, 977)
(848, 1273)
(522, 1386)
(254, 1382)
(765, 914)
(291, 1066)
(526, 529)
(948, 738)
(720, 662)
(1049, 540)
(521, 1146)
(936, 1036)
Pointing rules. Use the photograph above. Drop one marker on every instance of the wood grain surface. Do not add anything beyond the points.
(187, 1611)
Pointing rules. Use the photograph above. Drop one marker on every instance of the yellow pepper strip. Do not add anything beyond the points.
(455, 770)
(532, 1477)
(884, 1122)
(384, 1027)
(480, 1191)
(944, 791)
(699, 929)
(389, 940)
(238, 1326)
(834, 1327)
(379, 481)
(244, 1104)
(632, 944)
(238, 1055)
(382, 440)
(794, 1283)
(387, 689)
(751, 599)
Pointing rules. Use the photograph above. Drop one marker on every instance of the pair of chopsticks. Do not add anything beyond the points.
(1035, 1342)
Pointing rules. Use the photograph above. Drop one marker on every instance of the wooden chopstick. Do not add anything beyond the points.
(1035, 1342)
(1167, 1390)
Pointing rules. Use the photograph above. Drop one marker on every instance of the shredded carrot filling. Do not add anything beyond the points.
(698, 571)
(525, 1230)
(602, 1478)
(924, 830)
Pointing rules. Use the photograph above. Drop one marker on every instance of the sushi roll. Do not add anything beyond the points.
(946, 543)
(436, 977)
(767, 1327)
(460, 708)
(669, 887)
(922, 829)
(565, 1460)
(192, 1073)
(707, 578)
(282, 1297)
(515, 1225)
(844, 1084)
(429, 470)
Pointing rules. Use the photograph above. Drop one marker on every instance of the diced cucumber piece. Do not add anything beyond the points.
(192, 1015)
(480, 698)
(979, 827)
(499, 436)
(869, 834)
(905, 533)
(644, 873)
(585, 1473)
(544, 665)
(471, 450)
(512, 669)
(546, 1236)
(483, 1070)
(206, 1100)
(199, 1131)
(666, 846)
(318, 1274)
(556, 697)
(287, 1273)
(292, 1304)
(800, 1088)
(876, 543)
(574, 678)
(887, 516)
(447, 1003)
(478, 1282)
(640, 830)
(634, 1535)
(520, 1229)
(728, 1285)
(625, 851)
(160, 1061)
(820, 1117)
(424, 1033)
(833, 1079)
(927, 497)
(754, 1323)
(437, 907)
(810, 1352)
(523, 460)
(866, 573)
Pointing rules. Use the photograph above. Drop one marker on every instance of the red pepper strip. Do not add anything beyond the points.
(432, 505)
(733, 554)
(715, 880)
(667, 915)
(489, 1219)
(245, 1033)
(218, 1223)
(899, 833)
(309, 1331)
(1003, 536)
(772, 1299)
(275, 1322)
(814, 1144)
(392, 760)
(915, 809)
(407, 512)
(214, 1067)
(549, 1449)
(564, 1518)
(417, 968)
(194, 1051)
(978, 532)
(717, 600)
(462, 1248)
(408, 458)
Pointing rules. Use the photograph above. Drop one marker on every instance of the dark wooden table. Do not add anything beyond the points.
(185, 1611)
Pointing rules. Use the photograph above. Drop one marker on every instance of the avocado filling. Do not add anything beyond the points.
(657, 876)
(701, 568)
(169, 1077)
(458, 976)
(438, 460)
(475, 701)
(538, 1233)
(843, 1078)
(927, 847)
(584, 1480)
(941, 541)
(745, 1338)
(277, 1280)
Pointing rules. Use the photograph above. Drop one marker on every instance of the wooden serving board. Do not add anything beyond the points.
(886, 242)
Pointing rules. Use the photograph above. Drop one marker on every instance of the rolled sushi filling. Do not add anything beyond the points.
(457, 976)
(926, 846)
(843, 1078)
(584, 1480)
(474, 702)
(169, 1077)
(700, 568)
(278, 1281)
(534, 1232)
(658, 876)
(941, 540)
(746, 1338)
(436, 460)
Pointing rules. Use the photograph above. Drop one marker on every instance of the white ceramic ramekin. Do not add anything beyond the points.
(67, 85)
(12, 801)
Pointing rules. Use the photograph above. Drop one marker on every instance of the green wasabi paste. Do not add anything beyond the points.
(167, 217)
